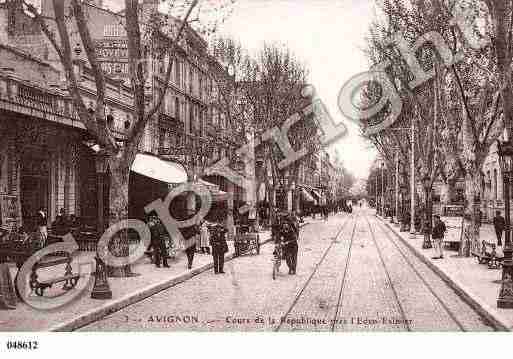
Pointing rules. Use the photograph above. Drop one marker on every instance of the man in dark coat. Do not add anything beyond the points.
(157, 230)
(191, 236)
(219, 246)
(289, 235)
(499, 224)
(61, 225)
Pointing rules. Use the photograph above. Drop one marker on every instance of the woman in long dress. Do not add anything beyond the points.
(204, 238)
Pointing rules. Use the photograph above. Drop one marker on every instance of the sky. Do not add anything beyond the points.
(328, 36)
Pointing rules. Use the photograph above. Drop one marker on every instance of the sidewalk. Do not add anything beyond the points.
(474, 282)
(125, 291)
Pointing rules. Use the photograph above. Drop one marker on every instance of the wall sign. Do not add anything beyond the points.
(8, 210)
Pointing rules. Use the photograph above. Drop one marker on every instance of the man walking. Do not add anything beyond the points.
(499, 224)
(290, 233)
(438, 237)
(219, 247)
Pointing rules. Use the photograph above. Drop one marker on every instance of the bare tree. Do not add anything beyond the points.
(119, 156)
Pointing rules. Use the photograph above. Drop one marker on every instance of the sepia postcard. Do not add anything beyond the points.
(255, 166)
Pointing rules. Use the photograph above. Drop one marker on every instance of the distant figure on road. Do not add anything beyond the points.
(438, 237)
(499, 224)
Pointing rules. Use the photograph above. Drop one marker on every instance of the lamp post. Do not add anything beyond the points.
(101, 289)
(426, 182)
(392, 198)
(396, 187)
(376, 190)
(505, 152)
(404, 192)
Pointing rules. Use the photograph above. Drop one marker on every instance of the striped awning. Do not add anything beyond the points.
(307, 196)
(317, 194)
(164, 171)
(215, 192)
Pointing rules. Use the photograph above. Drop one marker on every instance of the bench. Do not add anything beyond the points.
(488, 255)
(70, 282)
(69, 278)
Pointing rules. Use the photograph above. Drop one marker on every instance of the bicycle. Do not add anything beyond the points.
(277, 255)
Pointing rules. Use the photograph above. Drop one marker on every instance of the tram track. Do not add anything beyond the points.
(389, 279)
(344, 276)
(353, 217)
(427, 285)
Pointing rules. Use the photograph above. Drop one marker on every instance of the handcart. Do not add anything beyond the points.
(246, 242)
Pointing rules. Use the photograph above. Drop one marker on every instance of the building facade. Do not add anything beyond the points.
(63, 173)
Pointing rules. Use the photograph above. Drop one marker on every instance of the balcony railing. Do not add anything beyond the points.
(21, 97)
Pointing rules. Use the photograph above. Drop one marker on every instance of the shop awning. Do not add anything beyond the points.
(317, 194)
(216, 193)
(307, 196)
(154, 167)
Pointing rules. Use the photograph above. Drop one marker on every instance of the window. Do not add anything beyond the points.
(115, 30)
(177, 108)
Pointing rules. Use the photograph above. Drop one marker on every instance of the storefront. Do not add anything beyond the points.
(152, 178)
(37, 171)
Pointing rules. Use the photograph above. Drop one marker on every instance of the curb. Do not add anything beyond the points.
(132, 298)
(473, 300)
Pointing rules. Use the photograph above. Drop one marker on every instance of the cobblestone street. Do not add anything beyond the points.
(353, 275)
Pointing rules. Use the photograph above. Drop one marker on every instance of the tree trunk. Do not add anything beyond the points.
(118, 211)
(470, 237)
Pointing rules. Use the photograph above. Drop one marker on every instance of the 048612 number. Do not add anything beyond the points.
(22, 345)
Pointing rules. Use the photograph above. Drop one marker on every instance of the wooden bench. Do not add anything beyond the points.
(488, 255)
(69, 278)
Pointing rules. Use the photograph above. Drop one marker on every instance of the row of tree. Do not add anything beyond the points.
(450, 63)
(256, 93)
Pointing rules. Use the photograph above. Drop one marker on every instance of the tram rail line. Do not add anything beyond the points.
(449, 312)
(389, 279)
(303, 288)
(344, 276)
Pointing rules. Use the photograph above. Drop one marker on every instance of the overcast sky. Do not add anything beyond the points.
(327, 35)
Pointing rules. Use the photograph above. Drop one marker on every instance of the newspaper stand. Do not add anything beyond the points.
(246, 242)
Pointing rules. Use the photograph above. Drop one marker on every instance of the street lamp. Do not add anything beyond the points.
(391, 196)
(383, 190)
(404, 192)
(505, 152)
(376, 190)
(426, 182)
